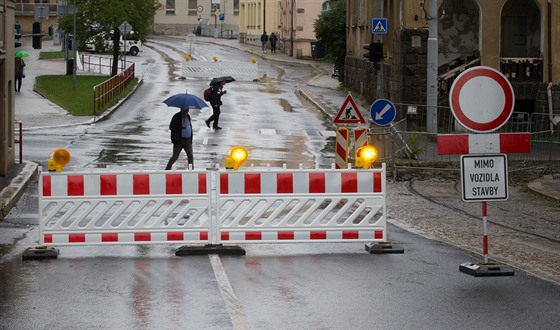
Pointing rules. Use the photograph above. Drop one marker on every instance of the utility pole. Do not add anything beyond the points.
(292, 29)
(432, 117)
(380, 71)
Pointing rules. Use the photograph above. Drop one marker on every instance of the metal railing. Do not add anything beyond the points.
(105, 93)
(99, 64)
(406, 144)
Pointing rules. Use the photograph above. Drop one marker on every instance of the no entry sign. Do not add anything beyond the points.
(481, 99)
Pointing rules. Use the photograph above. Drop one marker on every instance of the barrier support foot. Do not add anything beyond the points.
(210, 249)
(40, 252)
(383, 247)
(485, 270)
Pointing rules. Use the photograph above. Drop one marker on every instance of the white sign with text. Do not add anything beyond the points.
(484, 178)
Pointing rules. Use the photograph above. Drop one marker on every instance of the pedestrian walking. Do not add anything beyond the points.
(17, 27)
(181, 137)
(216, 102)
(19, 73)
(273, 39)
(264, 40)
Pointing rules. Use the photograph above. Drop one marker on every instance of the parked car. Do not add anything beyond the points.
(103, 42)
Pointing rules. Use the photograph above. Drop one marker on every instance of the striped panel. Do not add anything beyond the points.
(310, 235)
(123, 184)
(330, 182)
(124, 238)
(341, 150)
(360, 138)
(464, 144)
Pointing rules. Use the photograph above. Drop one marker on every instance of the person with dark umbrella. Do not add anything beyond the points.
(216, 102)
(181, 137)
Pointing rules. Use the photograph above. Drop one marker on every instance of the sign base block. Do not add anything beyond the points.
(381, 248)
(210, 249)
(40, 252)
(485, 270)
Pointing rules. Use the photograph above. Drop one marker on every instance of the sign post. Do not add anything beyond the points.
(482, 101)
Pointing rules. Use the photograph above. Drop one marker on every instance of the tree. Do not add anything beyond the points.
(330, 28)
(97, 16)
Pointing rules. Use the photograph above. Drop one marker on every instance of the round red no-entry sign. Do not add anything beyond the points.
(481, 99)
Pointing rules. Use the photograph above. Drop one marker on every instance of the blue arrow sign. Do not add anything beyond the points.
(383, 112)
(379, 26)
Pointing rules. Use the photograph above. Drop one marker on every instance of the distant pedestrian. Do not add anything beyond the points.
(216, 103)
(19, 72)
(264, 40)
(273, 39)
(17, 27)
(181, 137)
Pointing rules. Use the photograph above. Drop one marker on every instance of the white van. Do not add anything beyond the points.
(103, 42)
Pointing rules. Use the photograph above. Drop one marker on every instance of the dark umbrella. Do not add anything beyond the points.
(185, 101)
(220, 79)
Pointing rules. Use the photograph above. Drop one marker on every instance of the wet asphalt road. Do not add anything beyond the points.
(275, 286)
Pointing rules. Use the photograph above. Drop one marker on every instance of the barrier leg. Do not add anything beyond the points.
(485, 269)
(40, 252)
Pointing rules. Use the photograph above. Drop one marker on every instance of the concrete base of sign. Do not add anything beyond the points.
(40, 252)
(485, 270)
(385, 247)
(210, 249)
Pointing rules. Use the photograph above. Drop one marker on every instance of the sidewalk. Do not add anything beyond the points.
(34, 112)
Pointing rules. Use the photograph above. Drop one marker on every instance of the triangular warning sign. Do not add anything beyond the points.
(379, 27)
(349, 113)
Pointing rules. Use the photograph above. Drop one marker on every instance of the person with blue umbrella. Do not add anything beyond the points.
(181, 126)
(181, 137)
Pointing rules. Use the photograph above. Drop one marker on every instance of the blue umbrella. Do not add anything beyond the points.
(185, 101)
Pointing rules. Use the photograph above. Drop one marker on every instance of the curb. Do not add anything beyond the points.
(10, 195)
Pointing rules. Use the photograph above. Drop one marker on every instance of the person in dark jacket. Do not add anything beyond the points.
(273, 39)
(181, 137)
(216, 103)
(20, 74)
(264, 40)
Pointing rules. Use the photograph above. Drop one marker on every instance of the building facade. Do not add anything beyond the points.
(181, 17)
(7, 106)
(517, 37)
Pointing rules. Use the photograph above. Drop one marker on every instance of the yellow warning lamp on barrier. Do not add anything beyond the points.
(235, 157)
(365, 156)
(58, 158)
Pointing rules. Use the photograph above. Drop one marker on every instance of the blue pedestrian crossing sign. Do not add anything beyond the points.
(378, 26)
(383, 112)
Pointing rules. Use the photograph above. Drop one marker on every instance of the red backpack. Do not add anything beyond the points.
(207, 93)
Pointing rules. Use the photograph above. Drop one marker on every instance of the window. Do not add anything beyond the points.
(192, 8)
(326, 6)
(169, 7)
(235, 7)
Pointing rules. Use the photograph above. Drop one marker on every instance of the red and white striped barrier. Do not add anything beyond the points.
(212, 207)
(463, 144)
(341, 152)
(123, 208)
(302, 206)
(360, 138)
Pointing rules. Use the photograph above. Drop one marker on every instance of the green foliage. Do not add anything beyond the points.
(95, 16)
(415, 145)
(53, 55)
(330, 28)
(59, 89)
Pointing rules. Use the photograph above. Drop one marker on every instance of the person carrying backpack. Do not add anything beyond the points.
(264, 40)
(216, 101)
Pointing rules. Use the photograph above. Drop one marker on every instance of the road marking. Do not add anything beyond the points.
(234, 306)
